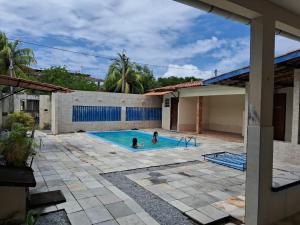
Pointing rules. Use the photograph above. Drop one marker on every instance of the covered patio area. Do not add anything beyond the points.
(264, 205)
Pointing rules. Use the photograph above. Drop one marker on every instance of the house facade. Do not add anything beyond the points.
(220, 104)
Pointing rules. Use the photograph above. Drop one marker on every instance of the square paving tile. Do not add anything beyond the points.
(198, 216)
(100, 191)
(110, 222)
(70, 206)
(98, 214)
(130, 220)
(213, 212)
(108, 199)
(194, 202)
(181, 206)
(119, 209)
(90, 202)
(79, 218)
(82, 194)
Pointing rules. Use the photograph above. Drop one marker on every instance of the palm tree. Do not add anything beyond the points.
(122, 77)
(14, 59)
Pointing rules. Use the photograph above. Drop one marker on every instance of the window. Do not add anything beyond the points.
(140, 113)
(96, 113)
(32, 106)
(22, 105)
(167, 102)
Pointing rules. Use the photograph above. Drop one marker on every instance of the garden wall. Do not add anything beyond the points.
(87, 111)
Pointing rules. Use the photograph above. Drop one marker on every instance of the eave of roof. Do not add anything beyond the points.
(153, 93)
(245, 70)
(178, 86)
(30, 84)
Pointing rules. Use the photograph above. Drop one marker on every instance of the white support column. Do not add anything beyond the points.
(246, 112)
(296, 102)
(260, 130)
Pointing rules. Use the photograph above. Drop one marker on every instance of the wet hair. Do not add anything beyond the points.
(134, 142)
(155, 134)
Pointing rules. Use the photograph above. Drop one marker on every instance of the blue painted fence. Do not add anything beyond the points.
(96, 113)
(140, 113)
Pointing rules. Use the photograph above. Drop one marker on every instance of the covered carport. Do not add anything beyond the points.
(264, 205)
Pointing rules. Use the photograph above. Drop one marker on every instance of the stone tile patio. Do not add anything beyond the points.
(204, 191)
(72, 163)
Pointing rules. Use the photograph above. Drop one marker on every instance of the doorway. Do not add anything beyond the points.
(279, 114)
(174, 114)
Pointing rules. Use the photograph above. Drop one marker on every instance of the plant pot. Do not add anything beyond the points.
(14, 184)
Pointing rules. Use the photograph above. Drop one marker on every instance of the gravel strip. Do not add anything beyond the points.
(161, 211)
(58, 218)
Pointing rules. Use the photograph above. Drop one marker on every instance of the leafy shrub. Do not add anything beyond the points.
(30, 218)
(16, 147)
(20, 117)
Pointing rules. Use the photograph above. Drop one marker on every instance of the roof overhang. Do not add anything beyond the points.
(283, 72)
(30, 84)
(285, 13)
(158, 93)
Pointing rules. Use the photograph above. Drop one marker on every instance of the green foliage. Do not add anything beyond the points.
(138, 79)
(30, 218)
(11, 50)
(20, 117)
(62, 77)
(165, 81)
(16, 147)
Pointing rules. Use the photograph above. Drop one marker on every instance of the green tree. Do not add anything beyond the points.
(62, 77)
(166, 81)
(14, 59)
(147, 78)
(123, 77)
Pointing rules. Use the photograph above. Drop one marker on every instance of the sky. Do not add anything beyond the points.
(172, 38)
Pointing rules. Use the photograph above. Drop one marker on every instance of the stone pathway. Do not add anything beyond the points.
(72, 163)
(204, 191)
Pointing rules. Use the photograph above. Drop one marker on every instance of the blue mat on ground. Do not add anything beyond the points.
(235, 161)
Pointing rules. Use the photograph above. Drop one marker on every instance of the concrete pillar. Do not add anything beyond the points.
(246, 111)
(296, 102)
(260, 130)
(199, 128)
(54, 113)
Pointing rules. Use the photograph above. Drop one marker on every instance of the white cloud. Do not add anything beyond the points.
(51, 57)
(187, 71)
(113, 24)
(147, 29)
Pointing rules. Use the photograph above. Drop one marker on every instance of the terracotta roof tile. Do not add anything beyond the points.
(178, 86)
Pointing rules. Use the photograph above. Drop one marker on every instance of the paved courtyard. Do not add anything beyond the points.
(203, 191)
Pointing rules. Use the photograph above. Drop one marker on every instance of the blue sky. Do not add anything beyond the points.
(184, 40)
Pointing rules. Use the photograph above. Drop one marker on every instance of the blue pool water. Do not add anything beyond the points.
(124, 139)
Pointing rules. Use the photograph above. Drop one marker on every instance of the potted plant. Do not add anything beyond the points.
(16, 176)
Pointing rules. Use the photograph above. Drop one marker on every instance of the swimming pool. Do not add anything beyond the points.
(124, 139)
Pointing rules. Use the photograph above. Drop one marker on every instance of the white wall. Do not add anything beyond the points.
(45, 111)
(62, 104)
(19, 97)
(166, 111)
(224, 113)
(187, 114)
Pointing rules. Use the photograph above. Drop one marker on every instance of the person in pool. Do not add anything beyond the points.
(135, 143)
(154, 138)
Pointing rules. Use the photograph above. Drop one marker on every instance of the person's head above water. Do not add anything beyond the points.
(155, 134)
(134, 142)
